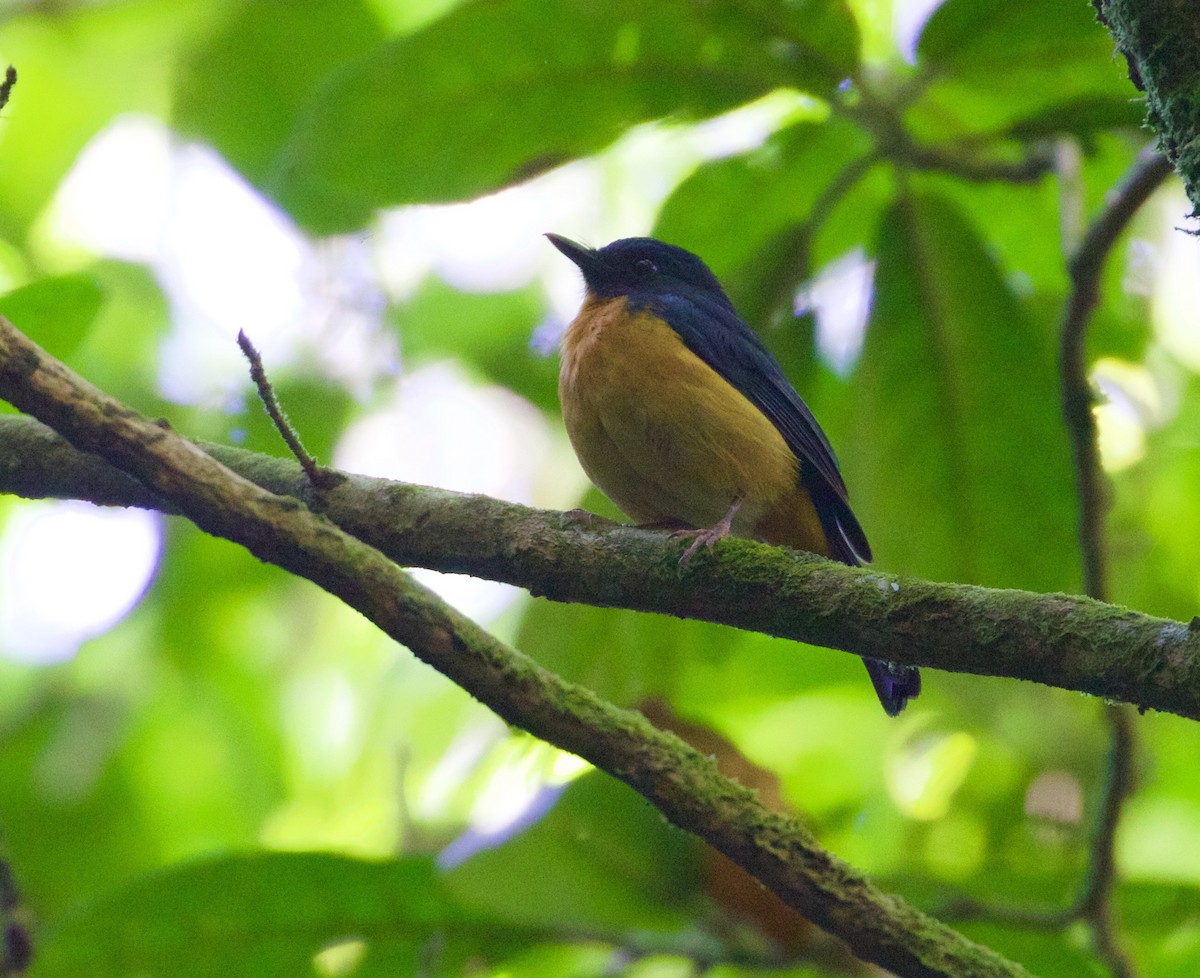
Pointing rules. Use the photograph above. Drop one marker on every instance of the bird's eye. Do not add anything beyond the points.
(645, 267)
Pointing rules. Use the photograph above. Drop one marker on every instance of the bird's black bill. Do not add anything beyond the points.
(582, 256)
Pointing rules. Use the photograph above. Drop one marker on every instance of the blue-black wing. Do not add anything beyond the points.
(712, 330)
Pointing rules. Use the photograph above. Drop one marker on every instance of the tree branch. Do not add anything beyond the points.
(683, 784)
(1160, 40)
(1036, 162)
(1055, 639)
(883, 116)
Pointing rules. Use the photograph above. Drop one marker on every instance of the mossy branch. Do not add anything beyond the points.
(1160, 40)
(1058, 640)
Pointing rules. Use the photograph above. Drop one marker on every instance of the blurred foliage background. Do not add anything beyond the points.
(210, 768)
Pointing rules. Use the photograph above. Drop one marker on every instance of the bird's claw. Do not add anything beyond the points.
(700, 538)
(707, 538)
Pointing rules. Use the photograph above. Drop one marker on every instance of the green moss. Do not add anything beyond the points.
(1160, 39)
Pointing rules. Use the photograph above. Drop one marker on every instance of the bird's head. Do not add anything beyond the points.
(640, 266)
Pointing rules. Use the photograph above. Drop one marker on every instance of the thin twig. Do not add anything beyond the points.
(1036, 162)
(1085, 269)
(1095, 905)
(790, 251)
(832, 195)
(883, 117)
(318, 475)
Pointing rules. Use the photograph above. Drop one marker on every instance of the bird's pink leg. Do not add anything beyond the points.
(707, 538)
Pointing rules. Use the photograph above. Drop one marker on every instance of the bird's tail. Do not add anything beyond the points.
(894, 684)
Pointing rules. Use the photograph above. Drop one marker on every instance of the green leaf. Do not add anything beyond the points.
(265, 914)
(245, 86)
(785, 178)
(777, 700)
(1166, 927)
(1156, 516)
(496, 92)
(1047, 953)
(120, 352)
(625, 656)
(1081, 117)
(55, 312)
(54, 790)
(1023, 234)
(996, 63)
(80, 66)
(492, 333)
(974, 38)
(602, 860)
(961, 469)
(844, 227)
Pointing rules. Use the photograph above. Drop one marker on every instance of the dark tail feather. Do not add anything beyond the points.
(894, 684)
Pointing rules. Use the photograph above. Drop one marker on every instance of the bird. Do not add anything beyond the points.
(682, 417)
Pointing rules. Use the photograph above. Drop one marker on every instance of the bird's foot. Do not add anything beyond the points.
(701, 538)
(708, 538)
